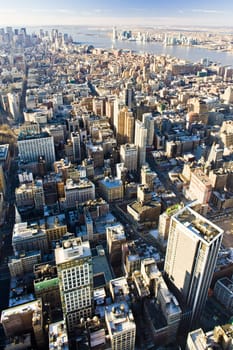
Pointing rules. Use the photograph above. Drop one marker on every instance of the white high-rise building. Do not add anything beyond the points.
(148, 121)
(129, 156)
(33, 146)
(192, 250)
(140, 141)
(75, 274)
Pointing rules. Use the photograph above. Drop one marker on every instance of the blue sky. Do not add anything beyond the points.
(111, 12)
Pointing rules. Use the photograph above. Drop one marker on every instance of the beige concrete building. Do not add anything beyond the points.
(148, 177)
(140, 140)
(129, 156)
(18, 320)
(115, 235)
(226, 133)
(125, 126)
(23, 263)
(200, 187)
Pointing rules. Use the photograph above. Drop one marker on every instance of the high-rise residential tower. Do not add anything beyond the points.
(191, 256)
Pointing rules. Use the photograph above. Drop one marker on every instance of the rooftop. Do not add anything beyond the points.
(82, 184)
(117, 231)
(23, 231)
(58, 338)
(72, 249)
(198, 225)
(138, 249)
(53, 221)
(32, 135)
(226, 282)
(110, 182)
(101, 265)
(119, 318)
(45, 276)
(120, 287)
(23, 308)
(140, 208)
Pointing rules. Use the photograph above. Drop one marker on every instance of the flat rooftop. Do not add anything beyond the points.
(26, 135)
(82, 184)
(22, 231)
(72, 249)
(100, 263)
(111, 183)
(24, 308)
(119, 318)
(197, 224)
(140, 208)
(117, 231)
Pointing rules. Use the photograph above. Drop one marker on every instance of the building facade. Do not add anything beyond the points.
(75, 274)
(191, 256)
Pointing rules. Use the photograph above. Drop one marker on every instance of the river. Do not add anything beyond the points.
(101, 38)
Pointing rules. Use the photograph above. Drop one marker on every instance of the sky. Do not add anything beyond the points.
(115, 13)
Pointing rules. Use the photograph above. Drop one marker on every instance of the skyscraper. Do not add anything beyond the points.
(192, 251)
(140, 141)
(129, 156)
(75, 138)
(148, 121)
(124, 126)
(74, 267)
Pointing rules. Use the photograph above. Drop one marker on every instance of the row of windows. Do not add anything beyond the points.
(74, 318)
(78, 299)
(76, 277)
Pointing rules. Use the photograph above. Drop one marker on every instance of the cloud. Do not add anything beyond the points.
(99, 11)
(207, 11)
(64, 11)
(8, 11)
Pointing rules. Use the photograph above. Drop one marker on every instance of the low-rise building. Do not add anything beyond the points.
(223, 291)
(77, 193)
(29, 237)
(23, 262)
(46, 285)
(111, 189)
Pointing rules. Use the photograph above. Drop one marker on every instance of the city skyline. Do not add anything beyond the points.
(101, 12)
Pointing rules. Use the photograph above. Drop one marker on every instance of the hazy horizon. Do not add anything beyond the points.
(103, 13)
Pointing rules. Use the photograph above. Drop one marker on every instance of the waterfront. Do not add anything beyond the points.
(101, 38)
